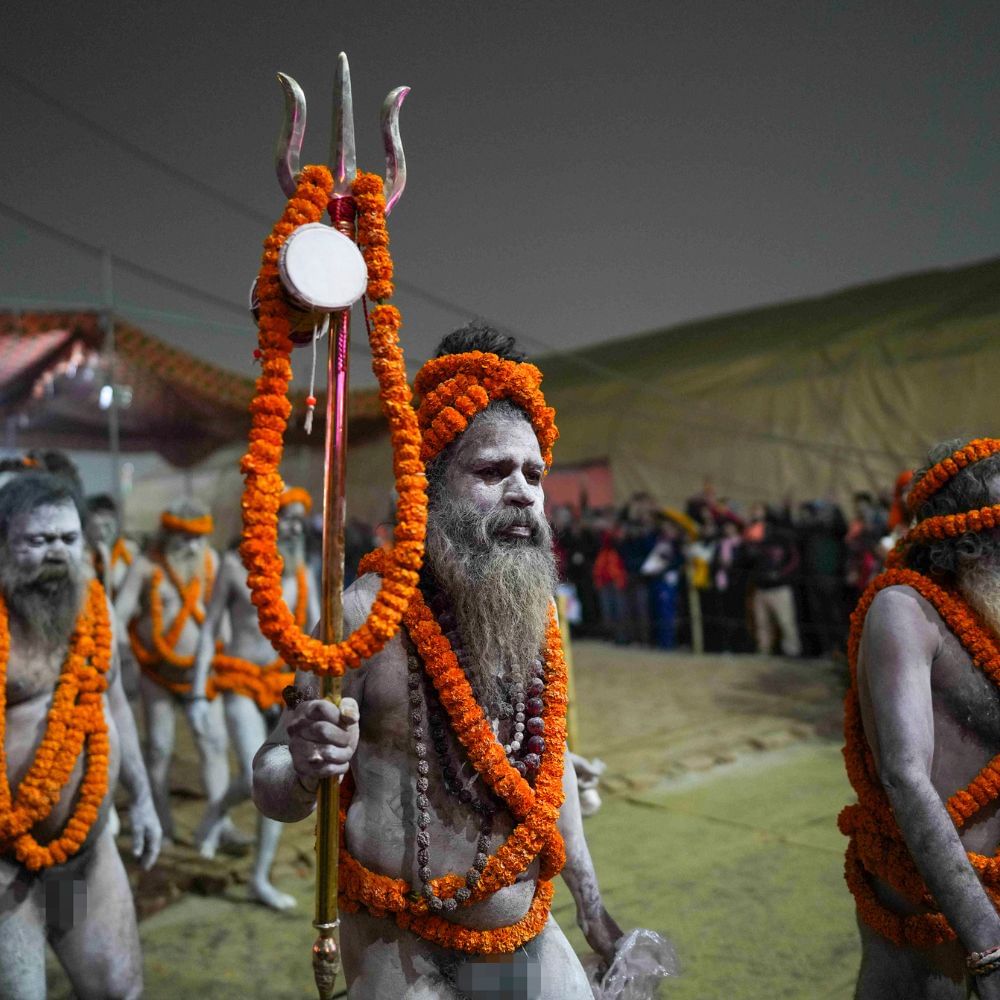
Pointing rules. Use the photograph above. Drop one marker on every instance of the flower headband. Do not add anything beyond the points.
(456, 387)
(295, 494)
(936, 476)
(203, 525)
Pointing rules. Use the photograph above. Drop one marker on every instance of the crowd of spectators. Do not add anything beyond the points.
(715, 575)
(720, 575)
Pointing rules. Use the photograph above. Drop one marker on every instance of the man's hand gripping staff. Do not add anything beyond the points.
(357, 205)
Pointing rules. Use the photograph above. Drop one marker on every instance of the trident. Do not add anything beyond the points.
(343, 164)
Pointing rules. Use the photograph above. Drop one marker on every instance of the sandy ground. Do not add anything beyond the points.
(718, 830)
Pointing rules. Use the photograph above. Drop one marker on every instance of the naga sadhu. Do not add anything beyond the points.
(458, 809)
(922, 747)
(162, 602)
(66, 736)
(459, 805)
(250, 679)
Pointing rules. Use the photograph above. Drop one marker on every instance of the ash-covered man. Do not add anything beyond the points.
(922, 733)
(251, 680)
(113, 552)
(66, 732)
(162, 601)
(418, 806)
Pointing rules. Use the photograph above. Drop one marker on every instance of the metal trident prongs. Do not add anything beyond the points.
(289, 145)
(395, 161)
(343, 164)
(343, 156)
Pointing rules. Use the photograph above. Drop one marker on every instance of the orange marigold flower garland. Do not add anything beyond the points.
(877, 848)
(263, 684)
(456, 387)
(953, 525)
(203, 525)
(192, 606)
(536, 809)
(121, 553)
(270, 411)
(939, 474)
(75, 724)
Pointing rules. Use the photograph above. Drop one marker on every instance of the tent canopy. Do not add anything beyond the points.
(54, 365)
(804, 399)
(817, 397)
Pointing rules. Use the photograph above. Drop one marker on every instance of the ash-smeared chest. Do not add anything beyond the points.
(966, 694)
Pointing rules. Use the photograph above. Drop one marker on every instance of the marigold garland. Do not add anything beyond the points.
(456, 387)
(195, 595)
(75, 724)
(877, 848)
(203, 525)
(120, 552)
(537, 809)
(270, 411)
(264, 684)
(936, 476)
(953, 525)
(296, 494)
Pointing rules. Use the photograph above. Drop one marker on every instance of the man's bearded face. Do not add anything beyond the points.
(102, 528)
(292, 534)
(185, 552)
(41, 572)
(490, 548)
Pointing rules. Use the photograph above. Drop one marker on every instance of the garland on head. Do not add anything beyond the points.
(937, 475)
(536, 809)
(952, 525)
(264, 684)
(203, 525)
(75, 724)
(295, 494)
(456, 387)
(270, 410)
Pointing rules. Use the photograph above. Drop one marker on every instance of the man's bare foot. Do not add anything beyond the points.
(209, 833)
(264, 892)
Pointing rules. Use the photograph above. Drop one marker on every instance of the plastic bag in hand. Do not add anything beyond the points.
(642, 959)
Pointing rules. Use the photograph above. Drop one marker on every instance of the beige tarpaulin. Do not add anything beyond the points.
(828, 395)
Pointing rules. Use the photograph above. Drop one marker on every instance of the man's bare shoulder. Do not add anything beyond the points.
(359, 598)
(900, 624)
(902, 604)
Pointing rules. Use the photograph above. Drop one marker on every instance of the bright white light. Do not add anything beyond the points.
(106, 396)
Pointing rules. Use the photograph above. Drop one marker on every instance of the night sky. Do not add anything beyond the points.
(577, 171)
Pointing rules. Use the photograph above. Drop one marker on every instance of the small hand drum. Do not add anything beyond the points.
(322, 271)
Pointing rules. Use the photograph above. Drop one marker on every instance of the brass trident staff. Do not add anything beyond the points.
(343, 164)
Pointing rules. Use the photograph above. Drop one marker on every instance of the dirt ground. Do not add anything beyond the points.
(718, 829)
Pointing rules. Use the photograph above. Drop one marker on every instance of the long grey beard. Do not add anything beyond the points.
(44, 603)
(500, 589)
(979, 583)
(293, 554)
(187, 565)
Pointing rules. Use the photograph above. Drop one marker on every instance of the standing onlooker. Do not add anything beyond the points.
(637, 539)
(729, 583)
(821, 533)
(610, 581)
(773, 562)
(578, 546)
(662, 568)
